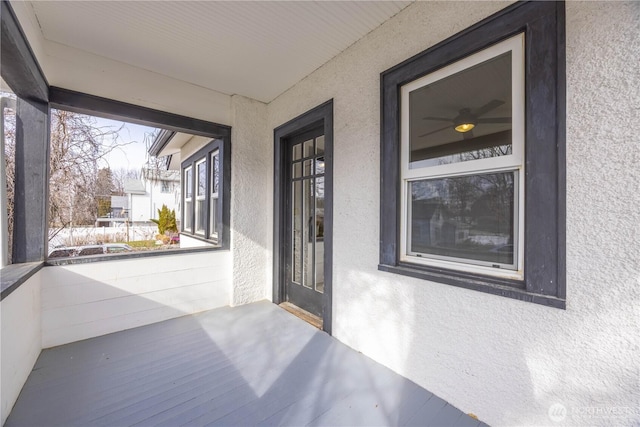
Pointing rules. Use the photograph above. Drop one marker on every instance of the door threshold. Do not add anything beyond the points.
(311, 319)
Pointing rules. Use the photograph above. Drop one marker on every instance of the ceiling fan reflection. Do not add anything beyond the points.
(467, 119)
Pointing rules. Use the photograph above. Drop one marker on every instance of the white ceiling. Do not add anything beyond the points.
(257, 49)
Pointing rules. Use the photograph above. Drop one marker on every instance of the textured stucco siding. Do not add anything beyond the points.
(251, 217)
(502, 359)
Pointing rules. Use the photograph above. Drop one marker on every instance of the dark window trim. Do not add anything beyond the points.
(544, 269)
(321, 115)
(116, 110)
(224, 214)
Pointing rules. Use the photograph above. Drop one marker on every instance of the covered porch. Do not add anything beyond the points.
(519, 302)
(250, 365)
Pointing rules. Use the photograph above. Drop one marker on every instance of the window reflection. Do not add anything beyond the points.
(465, 116)
(469, 217)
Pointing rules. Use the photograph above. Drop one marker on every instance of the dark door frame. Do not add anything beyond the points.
(321, 115)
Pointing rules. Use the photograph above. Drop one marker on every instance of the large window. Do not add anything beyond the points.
(462, 149)
(472, 151)
(203, 207)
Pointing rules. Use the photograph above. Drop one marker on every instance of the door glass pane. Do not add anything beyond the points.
(297, 170)
(319, 231)
(308, 234)
(320, 145)
(308, 167)
(296, 220)
(464, 116)
(297, 152)
(469, 218)
(308, 148)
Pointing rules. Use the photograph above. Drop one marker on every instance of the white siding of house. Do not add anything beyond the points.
(86, 300)
(158, 198)
(505, 360)
(140, 208)
(20, 340)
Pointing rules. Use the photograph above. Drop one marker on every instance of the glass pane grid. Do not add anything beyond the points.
(307, 201)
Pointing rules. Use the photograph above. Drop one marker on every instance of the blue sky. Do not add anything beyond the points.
(131, 156)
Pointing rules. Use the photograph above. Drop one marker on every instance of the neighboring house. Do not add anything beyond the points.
(119, 207)
(118, 214)
(517, 123)
(148, 194)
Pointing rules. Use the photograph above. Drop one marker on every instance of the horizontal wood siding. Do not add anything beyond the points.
(88, 300)
(20, 325)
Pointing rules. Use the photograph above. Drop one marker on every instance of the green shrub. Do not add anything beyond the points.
(166, 220)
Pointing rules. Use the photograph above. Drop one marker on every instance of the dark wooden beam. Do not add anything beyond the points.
(20, 69)
(30, 224)
(116, 110)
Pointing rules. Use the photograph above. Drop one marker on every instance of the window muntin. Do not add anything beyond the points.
(201, 193)
(213, 199)
(188, 199)
(436, 159)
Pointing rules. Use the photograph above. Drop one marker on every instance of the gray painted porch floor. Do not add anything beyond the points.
(251, 365)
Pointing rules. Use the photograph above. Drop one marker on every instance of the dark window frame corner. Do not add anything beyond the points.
(545, 110)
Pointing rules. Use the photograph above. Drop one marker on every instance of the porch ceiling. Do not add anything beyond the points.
(257, 49)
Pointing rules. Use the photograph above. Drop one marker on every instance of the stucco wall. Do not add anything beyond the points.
(20, 340)
(251, 212)
(86, 300)
(502, 359)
